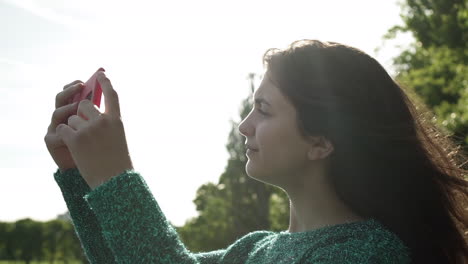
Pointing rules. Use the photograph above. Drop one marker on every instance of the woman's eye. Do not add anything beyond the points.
(257, 107)
(261, 112)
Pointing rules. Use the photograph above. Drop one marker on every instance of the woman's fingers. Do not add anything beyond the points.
(65, 133)
(76, 122)
(61, 115)
(87, 110)
(111, 96)
(53, 139)
(64, 96)
(72, 83)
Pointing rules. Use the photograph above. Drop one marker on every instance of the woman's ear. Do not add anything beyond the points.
(320, 148)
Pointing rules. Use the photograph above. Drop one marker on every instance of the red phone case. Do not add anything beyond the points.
(92, 90)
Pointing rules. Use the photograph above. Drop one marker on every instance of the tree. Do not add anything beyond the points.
(279, 211)
(6, 251)
(55, 240)
(434, 68)
(207, 231)
(70, 246)
(28, 240)
(27, 237)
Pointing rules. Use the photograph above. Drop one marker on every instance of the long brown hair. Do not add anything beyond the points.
(389, 162)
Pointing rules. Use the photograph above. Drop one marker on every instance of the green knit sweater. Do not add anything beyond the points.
(121, 222)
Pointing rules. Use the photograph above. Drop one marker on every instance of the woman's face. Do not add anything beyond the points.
(271, 128)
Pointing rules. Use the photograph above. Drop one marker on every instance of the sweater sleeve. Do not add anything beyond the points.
(134, 226)
(86, 225)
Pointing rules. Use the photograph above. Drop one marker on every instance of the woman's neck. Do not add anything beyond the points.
(318, 206)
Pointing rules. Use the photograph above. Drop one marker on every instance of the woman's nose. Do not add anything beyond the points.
(243, 128)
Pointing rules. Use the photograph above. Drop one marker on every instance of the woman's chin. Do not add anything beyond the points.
(255, 174)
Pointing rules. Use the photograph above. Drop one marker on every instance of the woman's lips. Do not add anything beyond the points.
(251, 151)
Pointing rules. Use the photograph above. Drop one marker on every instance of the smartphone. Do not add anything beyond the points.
(92, 90)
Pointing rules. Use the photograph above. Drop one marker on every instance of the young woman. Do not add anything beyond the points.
(369, 179)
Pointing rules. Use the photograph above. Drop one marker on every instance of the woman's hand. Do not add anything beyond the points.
(57, 149)
(96, 140)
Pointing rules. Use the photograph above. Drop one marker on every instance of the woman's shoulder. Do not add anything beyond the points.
(254, 237)
(358, 242)
(241, 248)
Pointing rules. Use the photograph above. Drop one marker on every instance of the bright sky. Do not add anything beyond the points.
(180, 69)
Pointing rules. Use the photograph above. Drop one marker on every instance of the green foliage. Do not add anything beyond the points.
(436, 22)
(279, 211)
(27, 236)
(202, 233)
(435, 68)
(6, 246)
(53, 235)
(60, 241)
(29, 241)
